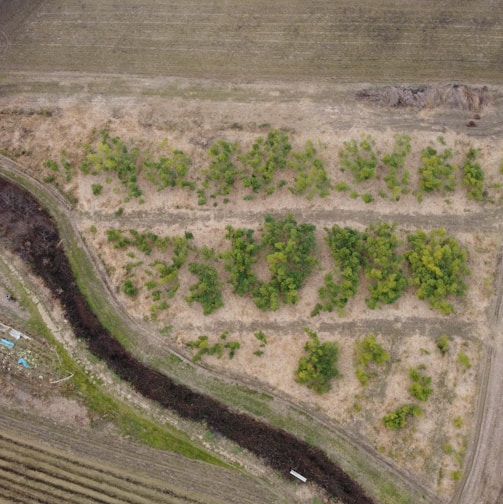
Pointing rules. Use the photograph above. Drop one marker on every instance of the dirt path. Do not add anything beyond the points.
(482, 483)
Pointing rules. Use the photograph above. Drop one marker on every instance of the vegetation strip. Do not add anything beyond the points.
(280, 450)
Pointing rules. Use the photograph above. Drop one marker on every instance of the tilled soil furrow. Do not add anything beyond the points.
(110, 486)
(66, 482)
(14, 493)
(43, 493)
(177, 473)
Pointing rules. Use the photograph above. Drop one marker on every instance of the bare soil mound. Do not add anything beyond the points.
(452, 96)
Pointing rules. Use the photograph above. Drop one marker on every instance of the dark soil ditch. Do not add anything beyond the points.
(29, 232)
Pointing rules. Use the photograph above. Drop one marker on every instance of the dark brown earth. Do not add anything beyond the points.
(32, 235)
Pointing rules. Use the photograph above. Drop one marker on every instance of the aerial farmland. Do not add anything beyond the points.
(251, 253)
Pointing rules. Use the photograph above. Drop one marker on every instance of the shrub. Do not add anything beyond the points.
(112, 155)
(265, 158)
(398, 418)
(436, 173)
(317, 369)
(464, 360)
(473, 176)
(384, 268)
(438, 267)
(96, 188)
(289, 253)
(359, 158)
(420, 386)
(240, 259)
(368, 352)
(346, 248)
(443, 344)
(311, 177)
(169, 171)
(222, 171)
(207, 290)
(397, 177)
(129, 288)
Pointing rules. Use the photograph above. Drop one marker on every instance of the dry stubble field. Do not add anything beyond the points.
(357, 43)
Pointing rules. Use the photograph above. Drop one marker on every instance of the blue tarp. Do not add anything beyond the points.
(23, 362)
(7, 343)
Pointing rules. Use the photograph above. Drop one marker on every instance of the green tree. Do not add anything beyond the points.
(266, 157)
(207, 290)
(289, 249)
(438, 266)
(384, 266)
(346, 247)
(436, 173)
(359, 158)
(239, 260)
(473, 176)
(317, 369)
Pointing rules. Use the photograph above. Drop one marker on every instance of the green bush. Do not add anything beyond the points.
(397, 177)
(204, 348)
(359, 158)
(96, 188)
(289, 249)
(238, 261)
(207, 290)
(438, 266)
(311, 177)
(420, 386)
(267, 156)
(464, 360)
(368, 353)
(435, 172)
(473, 176)
(443, 344)
(129, 288)
(112, 155)
(384, 266)
(346, 247)
(398, 418)
(319, 367)
(222, 171)
(169, 171)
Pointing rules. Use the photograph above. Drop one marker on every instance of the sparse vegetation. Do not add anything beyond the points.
(204, 348)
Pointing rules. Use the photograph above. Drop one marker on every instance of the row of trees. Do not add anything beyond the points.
(272, 163)
(434, 263)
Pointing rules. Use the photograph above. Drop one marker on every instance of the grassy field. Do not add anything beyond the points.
(346, 41)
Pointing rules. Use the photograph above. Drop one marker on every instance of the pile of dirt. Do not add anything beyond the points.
(32, 234)
(451, 96)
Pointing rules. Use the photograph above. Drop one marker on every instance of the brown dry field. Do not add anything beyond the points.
(92, 67)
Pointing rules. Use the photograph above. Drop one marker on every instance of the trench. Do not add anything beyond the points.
(28, 230)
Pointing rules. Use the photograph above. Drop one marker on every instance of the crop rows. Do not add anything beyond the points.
(30, 473)
(355, 41)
